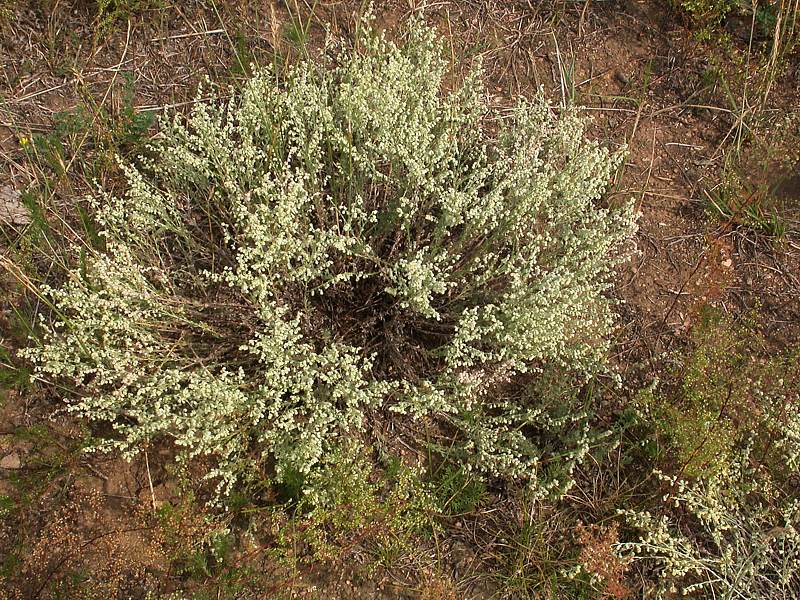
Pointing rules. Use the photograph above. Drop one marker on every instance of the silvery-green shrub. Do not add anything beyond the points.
(733, 534)
(346, 245)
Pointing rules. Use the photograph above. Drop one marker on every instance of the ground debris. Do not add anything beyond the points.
(12, 210)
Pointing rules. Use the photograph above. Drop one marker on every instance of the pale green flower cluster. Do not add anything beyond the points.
(737, 538)
(342, 239)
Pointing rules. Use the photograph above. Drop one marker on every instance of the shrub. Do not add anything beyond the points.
(726, 396)
(775, 21)
(109, 11)
(708, 15)
(600, 560)
(728, 525)
(344, 242)
(732, 535)
(349, 507)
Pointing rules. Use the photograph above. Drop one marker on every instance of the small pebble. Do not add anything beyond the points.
(11, 461)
